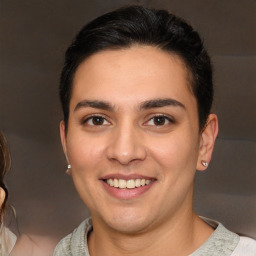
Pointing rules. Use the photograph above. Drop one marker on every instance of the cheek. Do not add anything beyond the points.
(84, 153)
(177, 151)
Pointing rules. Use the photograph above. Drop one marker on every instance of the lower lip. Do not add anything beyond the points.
(128, 193)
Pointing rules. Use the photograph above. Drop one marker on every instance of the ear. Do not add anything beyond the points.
(63, 138)
(207, 142)
(2, 196)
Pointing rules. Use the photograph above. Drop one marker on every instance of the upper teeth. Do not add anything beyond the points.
(120, 183)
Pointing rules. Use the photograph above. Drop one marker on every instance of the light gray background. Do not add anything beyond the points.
(34, 35)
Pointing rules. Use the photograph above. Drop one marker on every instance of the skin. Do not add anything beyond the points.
(27, 245)
(2, 196)
(33, 245)
(130, 139)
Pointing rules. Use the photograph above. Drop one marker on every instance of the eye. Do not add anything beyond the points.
(96, 120)
(159, 120)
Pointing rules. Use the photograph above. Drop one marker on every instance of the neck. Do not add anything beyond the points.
(180, 235)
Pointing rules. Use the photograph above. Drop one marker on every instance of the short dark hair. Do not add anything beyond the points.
(136, 25)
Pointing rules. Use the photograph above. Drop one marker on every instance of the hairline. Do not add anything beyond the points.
(190, 77)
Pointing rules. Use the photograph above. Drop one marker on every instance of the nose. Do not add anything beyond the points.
(126, 145)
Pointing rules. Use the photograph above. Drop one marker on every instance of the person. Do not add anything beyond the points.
(136, 92)
(10, 244)
(7, 238)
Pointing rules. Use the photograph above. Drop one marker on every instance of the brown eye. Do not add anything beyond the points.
(97, 120)
(159, 120)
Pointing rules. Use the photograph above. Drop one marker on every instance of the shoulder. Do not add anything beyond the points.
(7, 241)
(76, 242)
(63, 247)
(222, 241)
(245, 247)
(33, 245)
(225, 242)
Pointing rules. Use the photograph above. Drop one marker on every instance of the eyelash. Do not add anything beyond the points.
(147, 123)
(90, 118)
(166, 118)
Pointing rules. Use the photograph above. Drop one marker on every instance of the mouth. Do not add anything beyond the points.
(127, 184)
(127, 187)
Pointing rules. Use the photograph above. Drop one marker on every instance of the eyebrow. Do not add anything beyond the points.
(94, 104)
(158, 103)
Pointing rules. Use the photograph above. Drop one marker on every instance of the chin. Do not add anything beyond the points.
(128, 223)
(128, 227)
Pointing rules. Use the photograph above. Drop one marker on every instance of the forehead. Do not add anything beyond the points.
(132, 74)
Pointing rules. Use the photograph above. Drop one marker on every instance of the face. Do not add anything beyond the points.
(2, 196)
(3, 149)
(133, 139)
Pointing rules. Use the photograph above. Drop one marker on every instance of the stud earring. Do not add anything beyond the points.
(68, 171)
(204, 163)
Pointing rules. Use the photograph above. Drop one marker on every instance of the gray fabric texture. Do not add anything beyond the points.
(75, 244)
(221, 243)
(7, 241)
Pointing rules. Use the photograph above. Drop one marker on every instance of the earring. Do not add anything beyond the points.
(68, 171)
(204, 163)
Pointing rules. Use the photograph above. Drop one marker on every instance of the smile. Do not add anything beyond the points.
(127, 187)
(128, 184)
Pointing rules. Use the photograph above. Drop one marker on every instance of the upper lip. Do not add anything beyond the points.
(126, 176)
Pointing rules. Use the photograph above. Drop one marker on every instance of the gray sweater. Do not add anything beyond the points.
(221, 243)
